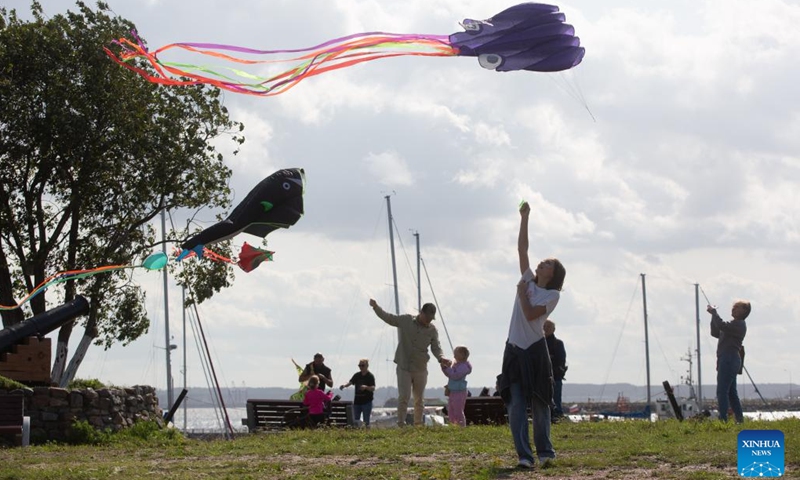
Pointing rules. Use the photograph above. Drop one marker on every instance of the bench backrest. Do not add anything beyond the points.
(11, 410)
(485, 411)
(280, 414)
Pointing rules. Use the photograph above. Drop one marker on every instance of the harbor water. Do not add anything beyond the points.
(209, 420)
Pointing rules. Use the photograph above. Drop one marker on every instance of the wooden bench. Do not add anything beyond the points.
(13, 421)
(269, 414)
(485, 411)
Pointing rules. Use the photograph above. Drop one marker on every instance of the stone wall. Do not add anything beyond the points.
(53, 410)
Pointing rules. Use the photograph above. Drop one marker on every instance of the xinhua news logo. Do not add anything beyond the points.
(760, 453)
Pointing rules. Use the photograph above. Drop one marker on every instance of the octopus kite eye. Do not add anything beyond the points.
(287, 186)
(471, 26)
(490, 61)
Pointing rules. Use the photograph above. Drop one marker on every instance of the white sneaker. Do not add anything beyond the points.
(524, 463)
(544, 461)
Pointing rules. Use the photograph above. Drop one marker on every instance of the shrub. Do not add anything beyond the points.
(84, 383)
(144, 432)
(82, 433)
(149, 431)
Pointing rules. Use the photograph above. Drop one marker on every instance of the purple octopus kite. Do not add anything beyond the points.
(528, 36)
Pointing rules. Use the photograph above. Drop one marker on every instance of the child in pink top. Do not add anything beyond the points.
(315, 399)
(457, 373)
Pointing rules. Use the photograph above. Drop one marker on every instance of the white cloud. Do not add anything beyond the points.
(486, 173)
(551, 221)
(790, 133)
(389, 169)
(254, 155)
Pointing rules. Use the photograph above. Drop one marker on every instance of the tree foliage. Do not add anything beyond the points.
(89, 155)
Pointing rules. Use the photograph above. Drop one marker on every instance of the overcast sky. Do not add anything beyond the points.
(686, 170)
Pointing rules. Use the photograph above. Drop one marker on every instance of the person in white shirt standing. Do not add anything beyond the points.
(527, 374)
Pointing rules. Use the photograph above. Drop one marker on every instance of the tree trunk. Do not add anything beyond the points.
(89, 334)
(77, 358)
(38, 303)
(56, 376)
(61, 359)
(10, 317)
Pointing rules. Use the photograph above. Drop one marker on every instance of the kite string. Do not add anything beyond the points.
(573, 91)
(359, 293)
(708, 302)
(622, 331)
(441, 316)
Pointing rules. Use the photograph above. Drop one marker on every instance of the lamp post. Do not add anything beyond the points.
(172, 347)
(169, 348)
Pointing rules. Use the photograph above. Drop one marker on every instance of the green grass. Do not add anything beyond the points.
(617, 450)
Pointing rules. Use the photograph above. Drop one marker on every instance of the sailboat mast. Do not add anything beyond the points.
(689, 382)
(699, 375)
(646, 338)
(166, 312)
(394, 265)
(419, 281)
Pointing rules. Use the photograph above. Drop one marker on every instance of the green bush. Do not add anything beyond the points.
(150, 432)
(82, 433)
(144, 432)
(84, 383)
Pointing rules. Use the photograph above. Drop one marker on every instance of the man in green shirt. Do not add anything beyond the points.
(415, 335)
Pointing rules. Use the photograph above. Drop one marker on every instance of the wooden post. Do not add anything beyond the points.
(251, 417)
(671, 395)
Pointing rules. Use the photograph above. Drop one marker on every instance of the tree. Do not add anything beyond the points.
(89, 155)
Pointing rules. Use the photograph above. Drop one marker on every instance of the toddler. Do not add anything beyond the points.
(457, 385)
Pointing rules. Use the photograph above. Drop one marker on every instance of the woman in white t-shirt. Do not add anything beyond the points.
(527, 371)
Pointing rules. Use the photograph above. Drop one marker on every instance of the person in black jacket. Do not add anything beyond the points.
(318, 368)
(558, 358)
(526, 379)
(729, 362)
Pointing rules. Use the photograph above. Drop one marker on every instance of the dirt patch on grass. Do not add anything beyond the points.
(456, 467)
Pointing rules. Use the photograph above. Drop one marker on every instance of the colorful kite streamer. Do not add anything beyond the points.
(333, 55)
(249, 259)
(155, 261)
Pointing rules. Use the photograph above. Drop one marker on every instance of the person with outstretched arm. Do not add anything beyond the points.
(416, 334)
(526, 378)
(730, 336)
